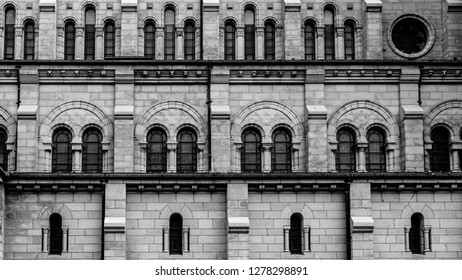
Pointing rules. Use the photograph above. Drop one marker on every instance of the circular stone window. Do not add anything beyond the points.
(411, 36)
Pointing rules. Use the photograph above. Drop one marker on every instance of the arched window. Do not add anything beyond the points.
(345, 159)
(92, 154)
(375, 152)
(189, 40)
(230, 41)
(56, 234)
(109, 39)
(249, 33)
(169, 33)
(69, 41)
(439, 159)
(150, 39)
(281, 157)
(251, 151)
(90, 21)
(10, 19)
(29, 40)
(329, 33)
(3, 150)
(62, 151)
(295, 233)
(416, 237)
(270, 40)
(156, 151)
(349, 40)
(310, 39)
(176, 234)
(186, 155)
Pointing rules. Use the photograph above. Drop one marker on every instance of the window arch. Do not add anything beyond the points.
(3, 150)
(349, 40)
(169, 33)
(310, 40)
(281, 157)
(329, 33)
(439, 159)
(90, 21)
(416, 237)
(186, 154)
(375, 152)
(251, 151)
(249, 32)
(295, 233)
(10, 20)
(150, 39)
(56, 234)
(156, 151)
(189, 40)
(176, 234)
(62, 151)
(29, 40)
(109, 39)
(345, 156)
(270, 40)
(92, 153)
(69, 40)
(230, 41)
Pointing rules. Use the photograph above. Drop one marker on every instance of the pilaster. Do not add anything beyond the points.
(238, 221)
(211, 23)
(48, 34)
(27, 138)
(372, 39)
(361, 222)
(18, 42)
(292, 22)
(316, 138)
(115, 240)
(79, 43)
(99, 43)
(412, 143)
(129, 28)
(2, 220)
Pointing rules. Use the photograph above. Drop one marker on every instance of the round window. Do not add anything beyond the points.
(411, 37)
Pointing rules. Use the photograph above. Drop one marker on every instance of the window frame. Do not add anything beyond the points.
(56, 234)
(287, 154)
(85, 154)
(175, 240)
(69, 41)
(370, 151)
(352, 153)
(163, 154)
(256, 156)
(57, 167)
(182, 165)
(310, 55)
(150, 40)
(230, 41)
(109, 39)
(9, 33)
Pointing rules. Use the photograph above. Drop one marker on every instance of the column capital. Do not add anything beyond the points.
(320, 31)
(240, 31)
(340, 31)
(171, 146)
(267, 146)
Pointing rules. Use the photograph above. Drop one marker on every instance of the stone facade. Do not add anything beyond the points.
(125, 212)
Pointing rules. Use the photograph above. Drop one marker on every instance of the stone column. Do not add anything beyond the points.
(412, 152)
(267, 157)
(260, 42)
(143, 157)
(11, 155)
(77, 157)
(159, 43)
(180, 43)
(99, 43)
(60, 43)
(129, 28)
(171, 164)
(361, 146)
(79, 43)
(279, 43)
(316, 138)
(361, 222)
(2, 220)
(358, 43)
(292, 28)
(426, 233)
(201, 157)
(237, 156)
(47, 149)
(240, 43)
(406, 238)
(340, 52)
(186, 239)
(106, 163)
(372, 22)
(238, 221)
(165, 239)
(18, 42)
(47, 23)
(286, 238)
(115, 239)
(45, 231)
(455, 148)
(296, 157)
(306, 236)
(65, 239)
(320, 51)
(211, 22)
(390, 147)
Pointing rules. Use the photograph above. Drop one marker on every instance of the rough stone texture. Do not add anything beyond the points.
(360, 206)
(237, 199)
(2, 222)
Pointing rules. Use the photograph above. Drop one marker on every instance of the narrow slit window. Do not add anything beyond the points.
(309, 41)
(56, 234)
(295, 234)
(270, 41)
(176, 234)
(249, 33)
(345, 159)
(375, 152)
(230, 41)
(109, 40)
(150, 40)
(29, 41)
(281, 157)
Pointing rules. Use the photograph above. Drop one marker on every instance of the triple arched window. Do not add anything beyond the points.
(10, 20)
(3, 150)
(439, 157)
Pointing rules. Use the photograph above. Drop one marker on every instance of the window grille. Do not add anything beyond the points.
(169, 34)
(149, 40)
(69, 41)
(251, 151)
(349, 41)
(186, 151)
(375, 152)
(156, 151)
(281, 157)
(10, 18)
(3, 150)
(270, 41)
(295, 234)
(230, 41)
(176, 234)
(310, 41)
(345, 159)
(249, 34)
(92, 154)
(416, 238)
(189, 41)
(29, 40)
(109, 40)
(439, 159)
(62, 151)
(90, 30)
(56, 234)
(329, 34)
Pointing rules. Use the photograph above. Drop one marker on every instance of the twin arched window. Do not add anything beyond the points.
(439, 157)
(10, 20)
(90, 30)
(3, 150)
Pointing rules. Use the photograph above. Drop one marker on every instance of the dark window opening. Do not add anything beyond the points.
(416, 237)
(345, 156)
(349, 41)
(409, 35)
(3, 150)
(310, 41)
(90, 30)
(150, 40)
(62, 151)
(109, 40)
(176, 234)
(251, 151)
(439, 158)
(270, 41)
(29, 41)
(295, 233)
(375, 152)
(230, 41)
(249, 34)
(69, 41)
(329, 34)
(56, 234)
(92, 154)
(10, 18)
(186, 151)
(189, 41)
(169, 34)
(281, 157)
(156, 151)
